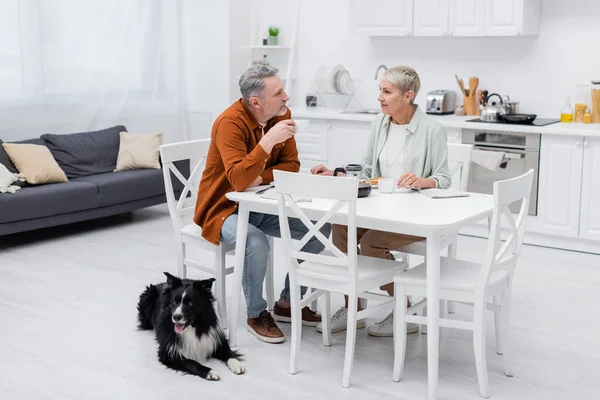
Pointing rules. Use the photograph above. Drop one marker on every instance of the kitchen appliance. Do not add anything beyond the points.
(492, 112)
(440, 102)
(535, 122)
(521, 153)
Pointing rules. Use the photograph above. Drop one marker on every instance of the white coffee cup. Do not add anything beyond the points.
(386, 185)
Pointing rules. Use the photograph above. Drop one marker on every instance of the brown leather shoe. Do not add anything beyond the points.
(309, 317)
(265, 328)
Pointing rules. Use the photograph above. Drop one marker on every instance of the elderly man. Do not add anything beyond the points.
(249, 140)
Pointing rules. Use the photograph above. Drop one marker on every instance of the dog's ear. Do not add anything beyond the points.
(173, 281)
(205, 284)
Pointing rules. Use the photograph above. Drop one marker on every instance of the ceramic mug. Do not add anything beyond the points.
(386, 185)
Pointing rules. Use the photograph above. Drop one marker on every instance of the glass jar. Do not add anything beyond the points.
(364, 183)
(595, 102)
(582, 101)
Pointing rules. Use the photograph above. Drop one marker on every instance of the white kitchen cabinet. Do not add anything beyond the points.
(466, 18)
(453, 135)
(589, 223)
(347, 143)
(381, 17)
(312, 145)
(430, 18)
(512, 17)
(561, 159)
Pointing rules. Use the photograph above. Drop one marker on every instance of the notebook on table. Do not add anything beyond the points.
(442, 193)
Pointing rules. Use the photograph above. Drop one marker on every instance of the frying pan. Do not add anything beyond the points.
(518, 118)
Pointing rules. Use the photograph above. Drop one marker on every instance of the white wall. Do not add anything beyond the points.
(538, 71)
(206, 47)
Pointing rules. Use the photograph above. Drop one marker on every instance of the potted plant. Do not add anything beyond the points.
(273, 33)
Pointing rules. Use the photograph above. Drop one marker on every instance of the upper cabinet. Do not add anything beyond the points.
(431, 18)
(381, 17)
(445, 17)
(466, 18)
(512, 17)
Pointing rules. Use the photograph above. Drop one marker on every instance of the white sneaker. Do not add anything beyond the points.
(339, 321)
(385, 328)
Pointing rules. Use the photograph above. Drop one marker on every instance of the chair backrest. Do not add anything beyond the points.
(459, 163)
(182, 209)
(502, 255)
(291, 188)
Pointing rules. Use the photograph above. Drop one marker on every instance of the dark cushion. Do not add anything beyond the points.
(5, 160)
(85, 153)
(124, 186)
(46, 200)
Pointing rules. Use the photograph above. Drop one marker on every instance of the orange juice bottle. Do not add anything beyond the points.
(566, 114)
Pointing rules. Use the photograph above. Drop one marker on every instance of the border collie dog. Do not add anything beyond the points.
(187, 329)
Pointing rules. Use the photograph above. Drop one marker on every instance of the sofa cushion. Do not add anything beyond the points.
(85, 153)
(139, 151)
(35, 162)
(46, 200)
(124, 186)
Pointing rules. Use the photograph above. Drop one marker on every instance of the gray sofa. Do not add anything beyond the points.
(93, 191)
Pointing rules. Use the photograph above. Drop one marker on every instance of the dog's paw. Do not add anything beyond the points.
(235, 366)
(212, 375)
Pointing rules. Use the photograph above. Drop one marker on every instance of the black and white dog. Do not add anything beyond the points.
(186, 325)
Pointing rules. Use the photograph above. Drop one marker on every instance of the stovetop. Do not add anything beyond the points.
(536, 122)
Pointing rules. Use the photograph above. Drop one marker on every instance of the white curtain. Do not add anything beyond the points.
(77, 65)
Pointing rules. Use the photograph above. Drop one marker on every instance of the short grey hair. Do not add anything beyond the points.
(404, 78)
(252, 82)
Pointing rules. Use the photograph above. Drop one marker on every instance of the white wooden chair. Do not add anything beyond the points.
(459, 164)
(473, 283)
(341, 273)
(187, 233)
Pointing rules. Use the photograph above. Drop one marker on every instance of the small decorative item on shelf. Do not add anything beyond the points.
(264, 42)
(273, 35)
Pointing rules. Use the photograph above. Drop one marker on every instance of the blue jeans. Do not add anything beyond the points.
(257, 253)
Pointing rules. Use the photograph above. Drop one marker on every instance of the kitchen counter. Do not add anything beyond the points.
(460, 122)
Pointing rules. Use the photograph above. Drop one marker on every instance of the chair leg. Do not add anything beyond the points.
(220, 286)
(326, 319)
(350, 338)
(498, 325)
(505, 332)
(479, 349)
(181, 268)
(314, 305)
(399, 331)
(424, 327)
(452, 254)
(296, 309)
(269, 282)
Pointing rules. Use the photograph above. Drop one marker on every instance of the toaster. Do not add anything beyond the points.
(440, 102)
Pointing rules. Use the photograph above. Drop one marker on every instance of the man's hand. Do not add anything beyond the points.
(410, 180)
(279, 133)
(256, 182)
(321, 170)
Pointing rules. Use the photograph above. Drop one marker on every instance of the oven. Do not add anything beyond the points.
(521, 153)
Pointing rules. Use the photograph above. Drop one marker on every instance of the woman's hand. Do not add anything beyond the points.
(410, 180)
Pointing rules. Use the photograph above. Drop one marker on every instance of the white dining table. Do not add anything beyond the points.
(403, 211)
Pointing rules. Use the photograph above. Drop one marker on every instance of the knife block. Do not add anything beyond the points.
(470, 105)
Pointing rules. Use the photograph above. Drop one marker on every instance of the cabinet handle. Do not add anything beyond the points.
(457, 134)
(586, 143)
(578, 143)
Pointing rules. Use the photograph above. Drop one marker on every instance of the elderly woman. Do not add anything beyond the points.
(407, 145)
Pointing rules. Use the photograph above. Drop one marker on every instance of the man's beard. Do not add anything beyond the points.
(280, 112)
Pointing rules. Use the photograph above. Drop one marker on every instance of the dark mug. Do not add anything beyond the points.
(311, 100)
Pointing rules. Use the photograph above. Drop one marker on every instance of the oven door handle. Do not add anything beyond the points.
(513, 156)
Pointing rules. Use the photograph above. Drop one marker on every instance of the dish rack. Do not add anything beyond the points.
(329, 96)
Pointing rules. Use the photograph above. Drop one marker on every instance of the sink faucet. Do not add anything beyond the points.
(378, 69)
